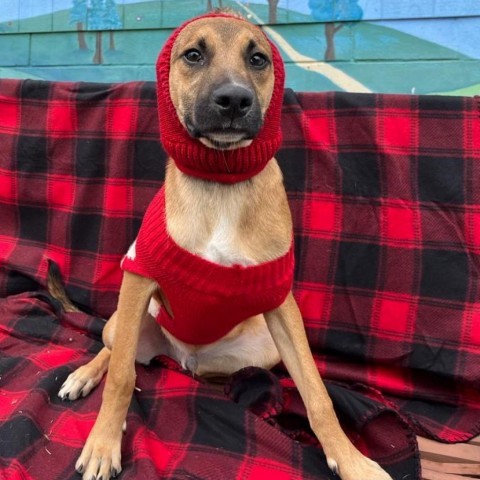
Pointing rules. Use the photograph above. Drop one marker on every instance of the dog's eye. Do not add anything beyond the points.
(258, 60)
(193, 56)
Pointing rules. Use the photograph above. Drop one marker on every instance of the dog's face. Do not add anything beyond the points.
(221, 81)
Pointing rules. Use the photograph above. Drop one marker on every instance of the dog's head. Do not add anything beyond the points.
(220, 90)
(221, 81)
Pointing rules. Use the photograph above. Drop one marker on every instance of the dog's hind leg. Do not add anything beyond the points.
(85, 378)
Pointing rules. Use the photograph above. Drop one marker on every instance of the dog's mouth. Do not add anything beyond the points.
(221, 138)
(226, 139)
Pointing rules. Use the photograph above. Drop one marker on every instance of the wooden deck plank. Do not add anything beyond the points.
(467, 452)
(440, 461)
(431, 475)
(452, 467)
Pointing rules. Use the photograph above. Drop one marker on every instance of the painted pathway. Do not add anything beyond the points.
(336, 76)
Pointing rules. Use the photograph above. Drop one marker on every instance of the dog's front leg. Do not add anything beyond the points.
(100, 457)
(288, 332)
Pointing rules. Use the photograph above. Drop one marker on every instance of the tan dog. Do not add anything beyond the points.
(221, 81)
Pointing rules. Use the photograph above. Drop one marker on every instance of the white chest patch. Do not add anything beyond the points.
(222, 248)
(132, 251)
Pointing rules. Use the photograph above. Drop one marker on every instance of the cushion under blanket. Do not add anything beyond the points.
(385, 196)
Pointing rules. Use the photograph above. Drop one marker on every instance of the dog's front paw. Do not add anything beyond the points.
(356, 466)
(100, 458)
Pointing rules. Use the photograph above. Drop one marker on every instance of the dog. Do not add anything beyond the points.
(208, 280)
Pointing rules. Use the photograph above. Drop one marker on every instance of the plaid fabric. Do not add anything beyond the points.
(385, 192)
(387, 220)
(78, 166)
(177, 427)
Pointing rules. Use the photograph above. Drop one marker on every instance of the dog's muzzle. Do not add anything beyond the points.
(228, 114)
(232, 101)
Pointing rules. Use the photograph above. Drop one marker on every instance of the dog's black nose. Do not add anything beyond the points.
(233, 101)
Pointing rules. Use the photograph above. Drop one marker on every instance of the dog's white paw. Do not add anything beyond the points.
(79, 383)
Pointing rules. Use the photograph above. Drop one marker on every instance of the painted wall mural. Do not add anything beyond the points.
(99, 15)
(336, 15)
(401, 46)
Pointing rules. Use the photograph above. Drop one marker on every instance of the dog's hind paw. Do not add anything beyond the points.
(79, 384)
(85, 378)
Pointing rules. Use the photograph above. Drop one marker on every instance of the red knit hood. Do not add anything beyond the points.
(193, 157)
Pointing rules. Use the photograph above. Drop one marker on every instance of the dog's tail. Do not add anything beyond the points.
(56, 287)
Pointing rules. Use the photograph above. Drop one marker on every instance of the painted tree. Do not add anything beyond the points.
(272, 11)
(102, 15)
(210, 6)
(113, 20)
(78, 17)
(332, 12)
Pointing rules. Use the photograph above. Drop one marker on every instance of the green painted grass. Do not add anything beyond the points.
(463, 92)
(17, 74)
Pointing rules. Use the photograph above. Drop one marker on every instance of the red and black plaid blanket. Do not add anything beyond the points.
(385, 193)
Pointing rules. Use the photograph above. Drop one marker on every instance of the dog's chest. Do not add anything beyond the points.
(211, 221)
(223, 245)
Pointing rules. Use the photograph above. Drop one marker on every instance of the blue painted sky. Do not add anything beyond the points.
(373, 9)
(20, 9)
(461, 34)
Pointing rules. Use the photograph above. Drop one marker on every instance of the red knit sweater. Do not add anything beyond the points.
(207, 300)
